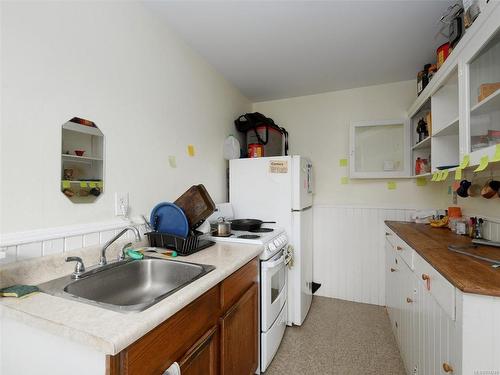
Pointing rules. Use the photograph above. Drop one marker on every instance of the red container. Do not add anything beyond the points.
(255, 150)
(442, 53)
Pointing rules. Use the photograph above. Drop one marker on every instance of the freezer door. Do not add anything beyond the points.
(302, 177)
(261, 188)
(301, 274)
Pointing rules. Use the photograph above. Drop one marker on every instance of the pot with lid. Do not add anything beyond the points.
(223, 227)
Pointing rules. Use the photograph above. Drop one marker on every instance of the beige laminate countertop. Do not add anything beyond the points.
(110, 332)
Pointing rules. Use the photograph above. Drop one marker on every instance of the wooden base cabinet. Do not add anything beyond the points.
(202, 358)
(239, 343)
(215, 334)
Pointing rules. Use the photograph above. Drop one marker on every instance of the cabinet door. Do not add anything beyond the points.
(202, 358)
(436, 336)
(406, 298)
(390, 283)
(239, 335)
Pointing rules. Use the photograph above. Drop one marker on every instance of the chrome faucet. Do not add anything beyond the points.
(102, 260)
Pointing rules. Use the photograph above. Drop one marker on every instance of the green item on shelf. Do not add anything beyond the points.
(134, 254)
(18, 291)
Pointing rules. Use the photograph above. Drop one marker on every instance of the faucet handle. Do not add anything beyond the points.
(79, 266)
(123, 254)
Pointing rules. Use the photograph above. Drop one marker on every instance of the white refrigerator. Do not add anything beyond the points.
(280, 189)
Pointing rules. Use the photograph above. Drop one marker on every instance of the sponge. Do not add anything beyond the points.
(18, 291)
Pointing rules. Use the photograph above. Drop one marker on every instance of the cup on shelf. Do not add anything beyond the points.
(462, 190)
(490, 189)
(79, 152)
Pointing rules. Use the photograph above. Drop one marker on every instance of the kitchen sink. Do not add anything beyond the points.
(130, 285)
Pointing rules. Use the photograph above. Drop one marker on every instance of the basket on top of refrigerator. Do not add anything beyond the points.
(263, 136)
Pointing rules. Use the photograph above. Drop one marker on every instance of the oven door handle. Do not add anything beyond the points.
(274, 264)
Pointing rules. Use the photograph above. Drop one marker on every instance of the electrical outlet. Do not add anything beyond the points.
(121, 204)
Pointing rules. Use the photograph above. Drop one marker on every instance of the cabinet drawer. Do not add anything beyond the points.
(390, 237)
(440, 288)
(156, 351)
(236, 284)
(405, 252)
(400, 247)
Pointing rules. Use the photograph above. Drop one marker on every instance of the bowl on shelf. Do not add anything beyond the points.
(79, 152)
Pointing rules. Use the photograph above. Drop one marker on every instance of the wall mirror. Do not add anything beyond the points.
(82, 159)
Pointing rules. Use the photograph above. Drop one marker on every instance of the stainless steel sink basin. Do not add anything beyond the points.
(131, 285)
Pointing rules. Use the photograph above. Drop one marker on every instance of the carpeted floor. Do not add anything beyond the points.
(339, 338)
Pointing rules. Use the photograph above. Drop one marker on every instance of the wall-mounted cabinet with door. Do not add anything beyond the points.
(460, 107)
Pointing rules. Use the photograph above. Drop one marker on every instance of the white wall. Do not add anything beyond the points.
(319, 128)
(116, 64)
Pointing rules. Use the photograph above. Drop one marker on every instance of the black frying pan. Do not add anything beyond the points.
(248, 224)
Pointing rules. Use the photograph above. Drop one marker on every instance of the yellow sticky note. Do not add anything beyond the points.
(434, 176)
(190, 150)
(465, 162)
(483, 163)
(66, 184)
(83, 184)
(92, 184)
(458, 174)
(99, 184)
(421, 181)
(444, 175)
(496, 157)
(172, 162)
(344, 180)
(391, 185)
(343, 162)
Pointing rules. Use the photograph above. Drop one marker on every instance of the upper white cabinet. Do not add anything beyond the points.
(484, 94)
(460, 108)
(378, 149)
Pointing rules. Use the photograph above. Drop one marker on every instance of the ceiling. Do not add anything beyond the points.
(279, 49)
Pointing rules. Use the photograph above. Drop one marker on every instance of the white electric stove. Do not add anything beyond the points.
(273, 282)
(273, 239)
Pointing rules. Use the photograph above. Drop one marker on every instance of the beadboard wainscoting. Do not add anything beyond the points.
(349, 251)
(26, 245)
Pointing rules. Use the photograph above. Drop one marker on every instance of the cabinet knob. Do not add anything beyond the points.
(387, 234)
(427, 280)
(409, 300)
(393, 270)
(399, 248)
(447, 367)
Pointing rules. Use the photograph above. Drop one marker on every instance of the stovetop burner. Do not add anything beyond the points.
(249, 236)
(261, 230)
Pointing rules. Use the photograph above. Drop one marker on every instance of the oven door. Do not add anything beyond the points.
(274, 289)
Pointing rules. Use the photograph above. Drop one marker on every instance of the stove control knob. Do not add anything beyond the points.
(272, 247)
(277, 242)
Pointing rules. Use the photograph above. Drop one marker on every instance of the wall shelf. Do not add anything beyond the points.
(451, 129)
(491, 103)
(84, 129)
(80, 158)
(426, 143)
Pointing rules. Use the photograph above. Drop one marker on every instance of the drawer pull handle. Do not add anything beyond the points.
(393, 270)
(409, 300)
(399, 248)
(447, 367)
(427, 280)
